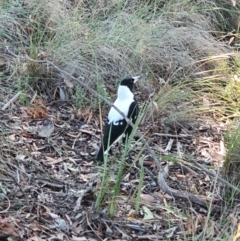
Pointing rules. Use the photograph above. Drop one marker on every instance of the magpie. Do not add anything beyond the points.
(116, 125)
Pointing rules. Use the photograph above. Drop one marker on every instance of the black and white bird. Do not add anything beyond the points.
(116, 125)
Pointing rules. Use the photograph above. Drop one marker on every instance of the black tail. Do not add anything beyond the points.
(110, 135)
(100, 155)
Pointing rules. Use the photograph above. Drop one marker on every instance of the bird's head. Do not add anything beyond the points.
(129, 81)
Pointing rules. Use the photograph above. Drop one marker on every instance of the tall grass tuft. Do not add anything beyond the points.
(232, 161)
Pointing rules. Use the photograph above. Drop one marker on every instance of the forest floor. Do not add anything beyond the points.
(52, 182)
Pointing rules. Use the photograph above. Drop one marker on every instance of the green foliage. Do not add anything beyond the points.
(104, 185)
(80, 97)
(101, 89)
(107, 190)
(232, 160)
(96, 40)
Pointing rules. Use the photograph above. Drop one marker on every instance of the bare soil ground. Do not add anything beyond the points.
(49, 184)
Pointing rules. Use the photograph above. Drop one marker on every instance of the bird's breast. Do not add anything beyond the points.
(123, 105)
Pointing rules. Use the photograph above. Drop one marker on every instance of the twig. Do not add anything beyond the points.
(172, 136)
(162, 183)
(11, 101)
(90, 226)
(49, 184)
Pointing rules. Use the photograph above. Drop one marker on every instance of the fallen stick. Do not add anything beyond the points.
(11, 101)
(172, 136)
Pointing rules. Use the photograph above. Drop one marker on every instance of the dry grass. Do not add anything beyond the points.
(105, 42)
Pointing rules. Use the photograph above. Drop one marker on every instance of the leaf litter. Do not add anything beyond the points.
(49, 176)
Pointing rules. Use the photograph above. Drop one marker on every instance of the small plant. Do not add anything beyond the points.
(101, 89)
(232, 161)
(80, 97)
(113, 192)
(104, 183)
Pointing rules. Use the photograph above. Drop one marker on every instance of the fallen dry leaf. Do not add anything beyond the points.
(68, 83)
(37, 110)
(191, 227)
(7, 227)
(53, 161)
(147, 197)
(147, 213)
(42, 55)
(180, 176)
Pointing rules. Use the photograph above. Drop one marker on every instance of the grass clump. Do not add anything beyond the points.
(232, 160)
(110, 190)
(101, 42)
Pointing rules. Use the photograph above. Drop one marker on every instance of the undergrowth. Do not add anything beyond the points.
(104, 42)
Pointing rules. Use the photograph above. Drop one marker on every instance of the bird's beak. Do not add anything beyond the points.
(136, 78)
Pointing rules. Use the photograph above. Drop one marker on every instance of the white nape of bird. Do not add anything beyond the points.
(116, 125)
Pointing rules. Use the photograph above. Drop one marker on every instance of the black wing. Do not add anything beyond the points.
(132, 115)
(111, 134)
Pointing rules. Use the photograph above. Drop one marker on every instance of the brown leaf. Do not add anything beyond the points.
(26, 135)
(37, 110)
(147, 197)
(180, 176)
(7, 226)
(29, 30)
(85, 114)
(191, 227)
(131, 214)
(42, 55)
